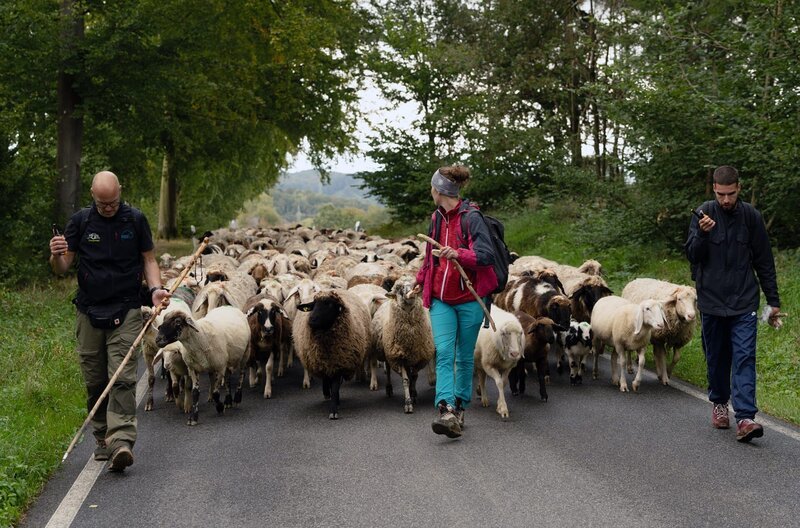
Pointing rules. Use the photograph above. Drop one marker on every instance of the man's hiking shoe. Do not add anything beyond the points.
(747, 429)
(719, 416)
(122, 458)
(101, 452)
(446, 422)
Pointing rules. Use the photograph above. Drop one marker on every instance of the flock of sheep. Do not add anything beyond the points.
(342, 302)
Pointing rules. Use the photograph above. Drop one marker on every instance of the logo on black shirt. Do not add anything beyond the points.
(93, 237)
(126, 235)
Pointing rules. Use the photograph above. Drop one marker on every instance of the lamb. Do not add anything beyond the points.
(270, 336)
(217, 343)
(496, 354)
(625, 326)
(331, 339)
(402, 337)
(539, 335)
(680, 313)
(150, 349)
(577, 344)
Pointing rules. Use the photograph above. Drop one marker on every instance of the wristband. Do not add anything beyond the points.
(154, 288)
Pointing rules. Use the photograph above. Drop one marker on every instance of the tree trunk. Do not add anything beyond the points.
(70, 127)
(168, 198)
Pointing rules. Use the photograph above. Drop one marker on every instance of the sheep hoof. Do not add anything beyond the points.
(408, 408)
(544, 398)
(306, 384)
(191, 422)
(149, 405)
(333, 416)
(547, 379)
(478, 390)
(267, 395)
(623, 388)
(389, 391)
(635, 387)
(515, 393)
(484, 403)
(220, 407)
(373, 386)
(237, 397)
(168, 397)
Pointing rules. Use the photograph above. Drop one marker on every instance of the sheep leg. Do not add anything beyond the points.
(614, 367)
(179, 391)
(306, 379)
(219, 380)
(637, 381)
(513, 379)
(268, 376)
(413, 374)
(598, 348)
(254, 367)
(335, 383)
(373, 374)
(228, 385)
(408, 406)
(482, 388)
(659, 355)
(151, 381)
(676, 356)
(629, 361)
(621, 357)
(237, 397)
(575, 377)
(169, 395)
(326, 387)
(290, 356)
(282, 364)
(499, 380)
(194, 412)
(541, 368)
(388, 370)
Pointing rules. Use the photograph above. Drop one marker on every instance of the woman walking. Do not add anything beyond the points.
(455, 314)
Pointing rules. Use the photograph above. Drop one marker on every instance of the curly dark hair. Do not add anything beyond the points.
(456, 173)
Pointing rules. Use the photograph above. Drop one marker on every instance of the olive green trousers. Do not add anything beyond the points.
(101, 351)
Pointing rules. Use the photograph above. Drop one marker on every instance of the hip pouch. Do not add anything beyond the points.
(107, 316)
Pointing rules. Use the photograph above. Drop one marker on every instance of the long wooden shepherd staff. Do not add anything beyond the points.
(127, 357)
(463, 273)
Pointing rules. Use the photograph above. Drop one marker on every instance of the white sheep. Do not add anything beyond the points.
(234, 291)
(402, 337)
(496, 353)
(218, 343)
(150, 349)
(680, 313)
(625, 326)
(331, 339)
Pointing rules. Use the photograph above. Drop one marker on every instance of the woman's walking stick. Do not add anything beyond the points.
(437, 245)
(136, 342)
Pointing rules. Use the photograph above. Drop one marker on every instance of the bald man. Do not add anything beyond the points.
(115, 252)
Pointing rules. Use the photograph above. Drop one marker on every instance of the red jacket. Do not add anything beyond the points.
(438, 276)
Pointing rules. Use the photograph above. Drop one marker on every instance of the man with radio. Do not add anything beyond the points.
(729, 250)
(115, 251)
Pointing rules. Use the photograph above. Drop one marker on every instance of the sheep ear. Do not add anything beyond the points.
(292, 292)
(639, 322)
(250, 312)
(190, 322)
(391, 295)
(283, 312)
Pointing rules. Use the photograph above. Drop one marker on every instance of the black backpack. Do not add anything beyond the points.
(502, 257)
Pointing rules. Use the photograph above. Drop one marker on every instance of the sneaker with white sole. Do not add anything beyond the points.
(719, 416)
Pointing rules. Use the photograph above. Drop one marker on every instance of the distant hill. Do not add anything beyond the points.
(341, 186)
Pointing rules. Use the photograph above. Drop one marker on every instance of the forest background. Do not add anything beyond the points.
(624, 107)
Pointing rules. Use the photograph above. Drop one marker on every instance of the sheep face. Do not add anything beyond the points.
(559, 310)
(173, 328)
(542, 330)
(650, 313)
(325, 311)
(265, 314)
(400, 291)
(512, 342)
(686, 299)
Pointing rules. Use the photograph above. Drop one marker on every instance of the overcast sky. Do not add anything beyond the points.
(376, 110)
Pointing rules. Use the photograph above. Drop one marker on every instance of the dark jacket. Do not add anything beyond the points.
(439, 277)
(725, 259)
(109, 251)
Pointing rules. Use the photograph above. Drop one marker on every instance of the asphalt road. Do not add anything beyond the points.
(590, 456)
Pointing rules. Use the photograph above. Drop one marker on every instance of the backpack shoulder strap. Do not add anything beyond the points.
(84, 221)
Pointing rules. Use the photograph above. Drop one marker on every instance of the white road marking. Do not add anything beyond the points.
(76, 496)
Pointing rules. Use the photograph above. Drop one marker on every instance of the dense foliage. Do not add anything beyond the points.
(209, 95)
(629, 104)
